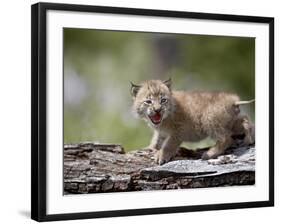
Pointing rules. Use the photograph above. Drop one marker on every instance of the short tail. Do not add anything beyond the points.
(244, 102)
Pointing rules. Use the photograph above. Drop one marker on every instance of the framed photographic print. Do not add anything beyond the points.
(138, 111)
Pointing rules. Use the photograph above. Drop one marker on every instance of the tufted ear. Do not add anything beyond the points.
(134, 89)
(168, 83)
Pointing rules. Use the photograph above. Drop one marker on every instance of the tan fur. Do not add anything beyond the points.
(243, 126)
(188, 116)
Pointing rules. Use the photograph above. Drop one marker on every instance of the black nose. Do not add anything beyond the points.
(157, 110)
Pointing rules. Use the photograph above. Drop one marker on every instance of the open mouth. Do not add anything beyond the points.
(156, 118)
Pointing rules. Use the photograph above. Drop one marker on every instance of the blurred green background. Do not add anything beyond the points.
(99, 65)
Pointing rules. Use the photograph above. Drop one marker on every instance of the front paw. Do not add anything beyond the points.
(161, 157)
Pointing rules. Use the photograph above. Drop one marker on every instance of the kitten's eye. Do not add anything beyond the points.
(164, 100)
(148, 101)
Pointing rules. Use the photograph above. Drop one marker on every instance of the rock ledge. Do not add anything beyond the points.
(93, 168)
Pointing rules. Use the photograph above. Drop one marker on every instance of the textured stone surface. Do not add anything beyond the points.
(92, 168)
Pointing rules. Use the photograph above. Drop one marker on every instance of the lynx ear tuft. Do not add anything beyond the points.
(134, 89)
(168, 83)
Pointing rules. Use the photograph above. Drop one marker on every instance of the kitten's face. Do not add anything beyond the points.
(152, 101)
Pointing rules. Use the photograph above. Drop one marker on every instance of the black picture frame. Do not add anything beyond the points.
(39, 116)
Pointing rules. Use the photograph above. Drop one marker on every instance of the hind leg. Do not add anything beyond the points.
(243, 127)
(218, 149)
(249, 132)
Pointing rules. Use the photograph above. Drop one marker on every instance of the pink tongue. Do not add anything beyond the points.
(156, 117)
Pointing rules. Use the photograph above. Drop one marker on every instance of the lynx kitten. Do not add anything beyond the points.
(178, 116)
